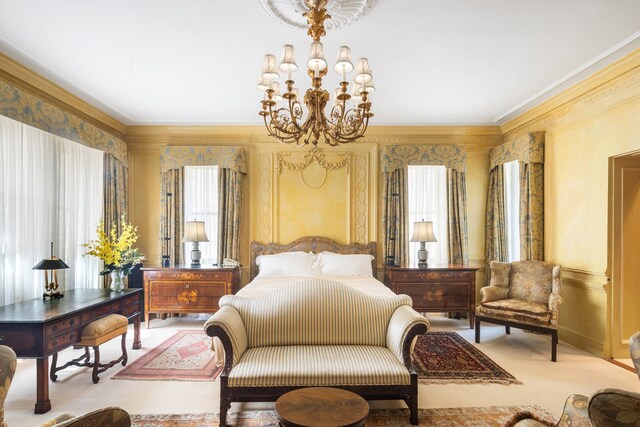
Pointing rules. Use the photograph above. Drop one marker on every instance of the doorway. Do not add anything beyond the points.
(624, 251)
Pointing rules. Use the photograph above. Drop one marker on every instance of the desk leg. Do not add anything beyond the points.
(137, 344)
(43, 404)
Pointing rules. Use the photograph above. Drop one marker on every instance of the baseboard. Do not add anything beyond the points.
(581, 341)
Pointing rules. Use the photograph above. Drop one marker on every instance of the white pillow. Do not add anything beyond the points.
(286, 264)
(333, 264)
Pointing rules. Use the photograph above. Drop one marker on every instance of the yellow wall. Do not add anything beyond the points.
(585, 126)
(282, 204)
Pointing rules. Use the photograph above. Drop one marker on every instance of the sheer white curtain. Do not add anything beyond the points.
(201, 203)
(427, 199)
(512, 209)
(50, 191)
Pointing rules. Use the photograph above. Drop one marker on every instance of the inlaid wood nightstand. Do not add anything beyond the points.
(439, 288)
(187, 290)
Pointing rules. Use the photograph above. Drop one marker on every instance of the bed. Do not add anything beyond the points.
(296, 297)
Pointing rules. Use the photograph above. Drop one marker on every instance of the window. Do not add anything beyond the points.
(51, 190)
(427, 199)
(201, 203)
(512, 209)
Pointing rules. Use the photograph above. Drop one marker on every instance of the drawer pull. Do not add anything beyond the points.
(187, 287)
(55, 328)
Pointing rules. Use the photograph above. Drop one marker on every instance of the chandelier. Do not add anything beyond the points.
(349, 116)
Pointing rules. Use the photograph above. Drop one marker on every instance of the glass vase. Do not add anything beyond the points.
(117, 280)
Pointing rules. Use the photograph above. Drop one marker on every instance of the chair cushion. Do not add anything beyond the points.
(102, 330)
(531, 281)
(312, 365)
(517, 310)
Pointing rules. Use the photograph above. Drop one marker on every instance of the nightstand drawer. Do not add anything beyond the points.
(188, 276)
(437, 296)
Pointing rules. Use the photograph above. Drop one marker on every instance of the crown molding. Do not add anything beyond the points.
(474, 138)
(580, 96)
(28, 80)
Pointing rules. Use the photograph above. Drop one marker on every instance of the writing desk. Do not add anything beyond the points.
(35, 329)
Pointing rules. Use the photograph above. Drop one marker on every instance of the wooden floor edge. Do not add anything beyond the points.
(621, 365)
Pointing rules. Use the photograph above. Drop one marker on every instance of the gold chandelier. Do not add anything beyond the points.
(346, 122)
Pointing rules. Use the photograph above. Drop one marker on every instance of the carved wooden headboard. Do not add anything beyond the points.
(313, 244)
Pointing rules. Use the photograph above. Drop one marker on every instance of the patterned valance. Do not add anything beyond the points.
(175, 157)
(394, 157)
(528, 148)
(19, 105)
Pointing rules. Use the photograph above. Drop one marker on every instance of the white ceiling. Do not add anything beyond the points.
(434, 61)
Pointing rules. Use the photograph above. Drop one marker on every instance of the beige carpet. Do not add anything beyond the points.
(491, 416)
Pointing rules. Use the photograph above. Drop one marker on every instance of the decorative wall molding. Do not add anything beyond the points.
(265, 197)
(343, 12)
(579, 340)
(313, 155)
(361, 226)
(614, 85)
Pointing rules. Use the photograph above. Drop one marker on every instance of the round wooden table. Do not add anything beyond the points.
(321, 406)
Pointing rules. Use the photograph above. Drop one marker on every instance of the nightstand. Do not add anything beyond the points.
(187, 290)
(447, 288)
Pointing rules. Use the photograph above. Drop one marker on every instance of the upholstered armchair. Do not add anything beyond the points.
(606, 408)
(522, 294)
(105, 417)
(8, 364)
(634, 349)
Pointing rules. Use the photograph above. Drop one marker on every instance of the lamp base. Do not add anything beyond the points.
(166, 261)
(52, 295)
(423, 256)
(195, 255)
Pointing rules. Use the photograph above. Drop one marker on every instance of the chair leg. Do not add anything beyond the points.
(96, 364)
(477, 331)
(54, 362)
(507, 329)
(554, 345)
(413, 400)
(124, 349)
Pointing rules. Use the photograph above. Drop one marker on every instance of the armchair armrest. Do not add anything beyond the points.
(610, 406)
(105, 417)
(405, 324)
(493, 293)
(227, 325)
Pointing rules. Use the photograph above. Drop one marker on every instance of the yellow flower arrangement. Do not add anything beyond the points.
(116, 250)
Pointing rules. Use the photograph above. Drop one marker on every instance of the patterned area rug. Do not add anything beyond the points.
(491, 416)
(447, 358)
(186, 356)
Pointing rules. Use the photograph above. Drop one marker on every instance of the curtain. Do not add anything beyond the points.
(532, 211)
(115, 190)
(171, 222)
(458, 230)
(427, 200)
(51, 190)
(229, 213)
(201, 203)
(495, 225)
(394, 217)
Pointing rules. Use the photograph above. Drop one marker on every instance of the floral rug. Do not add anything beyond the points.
(490, 416)
(447, 358)
(186, 356)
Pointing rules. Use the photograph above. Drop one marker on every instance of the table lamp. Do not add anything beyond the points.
(194, 232)
(51, 264)
(423, 232)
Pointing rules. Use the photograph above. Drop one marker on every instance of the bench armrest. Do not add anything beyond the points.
(405, 324)
(227, 325)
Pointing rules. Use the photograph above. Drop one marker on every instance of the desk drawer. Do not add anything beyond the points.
(62, 325)
(62, 341)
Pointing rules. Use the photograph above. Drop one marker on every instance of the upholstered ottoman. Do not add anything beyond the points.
(93, 335)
